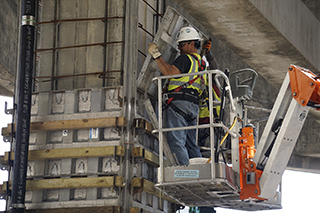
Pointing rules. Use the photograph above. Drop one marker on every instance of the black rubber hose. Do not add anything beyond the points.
(23, 106)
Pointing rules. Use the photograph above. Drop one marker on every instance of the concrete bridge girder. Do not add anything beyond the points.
(266, 35)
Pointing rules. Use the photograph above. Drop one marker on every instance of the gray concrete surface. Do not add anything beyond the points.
(297, 24)
(248, 33)
(314, 7)
(8, 45)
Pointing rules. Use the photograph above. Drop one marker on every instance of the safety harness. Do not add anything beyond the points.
(184, 93)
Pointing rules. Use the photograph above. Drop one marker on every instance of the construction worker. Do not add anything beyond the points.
(182, 93)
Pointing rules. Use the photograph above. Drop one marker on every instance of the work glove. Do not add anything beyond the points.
(154, 51)
(207, 46)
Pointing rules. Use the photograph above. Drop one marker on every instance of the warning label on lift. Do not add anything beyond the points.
(186, 173)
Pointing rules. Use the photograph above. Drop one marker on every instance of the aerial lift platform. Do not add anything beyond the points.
(250, 179)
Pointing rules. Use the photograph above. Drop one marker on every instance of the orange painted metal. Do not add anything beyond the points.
(305, 85)
(247, 166)
(247, 140)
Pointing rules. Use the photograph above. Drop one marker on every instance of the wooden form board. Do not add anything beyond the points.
(104, 209)
(100, 209)
(135, 210)
(69, 153)
(140, 123)
(71, 183)
(148, 186)
(149, 157)
(71, 124)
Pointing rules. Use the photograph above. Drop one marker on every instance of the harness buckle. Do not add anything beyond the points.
(184, 86)
(165, 97)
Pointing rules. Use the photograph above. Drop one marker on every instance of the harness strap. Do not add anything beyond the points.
(180, 87)
(202, 65)
(184, 96)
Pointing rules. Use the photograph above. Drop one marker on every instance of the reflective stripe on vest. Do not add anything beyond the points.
(194, 68)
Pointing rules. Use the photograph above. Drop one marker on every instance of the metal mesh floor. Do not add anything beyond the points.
(220, 191)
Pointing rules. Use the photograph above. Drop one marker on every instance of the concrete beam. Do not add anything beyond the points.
(314, 7)
(296, 23)
(249, 34)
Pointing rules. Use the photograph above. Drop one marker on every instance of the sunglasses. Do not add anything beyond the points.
(181, 44)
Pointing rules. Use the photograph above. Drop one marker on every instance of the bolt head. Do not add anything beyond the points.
(294, 94)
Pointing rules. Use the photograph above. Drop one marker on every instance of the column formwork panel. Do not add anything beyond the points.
(85, 105)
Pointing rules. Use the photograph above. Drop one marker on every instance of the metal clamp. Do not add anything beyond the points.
(17, 206)
(4, 167)
(165, 97)
(28, 20)
(3, 195)
(7, 139)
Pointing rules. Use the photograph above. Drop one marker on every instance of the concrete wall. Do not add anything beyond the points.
(9, 10)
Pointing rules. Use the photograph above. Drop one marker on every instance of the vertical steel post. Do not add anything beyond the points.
(213, 162)
(23, 106)
(130, 62)
(160, 124)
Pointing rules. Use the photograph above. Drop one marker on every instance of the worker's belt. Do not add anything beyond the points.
(186, 96)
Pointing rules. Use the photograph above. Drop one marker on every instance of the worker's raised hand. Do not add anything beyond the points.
(154, 50)
(207, 46)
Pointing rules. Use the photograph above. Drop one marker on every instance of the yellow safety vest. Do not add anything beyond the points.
(204, 109)
(194, 68)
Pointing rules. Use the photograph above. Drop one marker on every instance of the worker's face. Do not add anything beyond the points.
(185, 47)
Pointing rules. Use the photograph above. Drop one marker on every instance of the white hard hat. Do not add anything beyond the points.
(188, 34)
